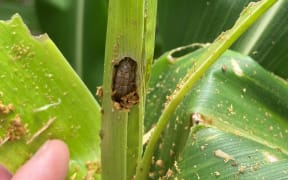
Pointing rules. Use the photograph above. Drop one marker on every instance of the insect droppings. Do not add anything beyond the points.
(16, 129)
(124, 89)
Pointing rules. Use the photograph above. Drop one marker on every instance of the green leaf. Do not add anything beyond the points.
(266, 40)
(48, 99)
(236, 97)
(249, 15)
(185, 22)
(215, 154)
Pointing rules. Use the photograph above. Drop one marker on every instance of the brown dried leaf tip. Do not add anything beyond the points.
(124, 88)
(16, 129)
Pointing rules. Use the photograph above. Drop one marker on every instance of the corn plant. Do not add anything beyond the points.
(199, 110)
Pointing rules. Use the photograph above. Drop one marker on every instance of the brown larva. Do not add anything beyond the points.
(124, 79)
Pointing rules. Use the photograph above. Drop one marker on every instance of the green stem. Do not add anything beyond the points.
(248, 16)
(121, 132)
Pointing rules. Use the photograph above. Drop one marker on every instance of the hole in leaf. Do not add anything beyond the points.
(184, 50)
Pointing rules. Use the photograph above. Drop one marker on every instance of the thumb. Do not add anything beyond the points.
(4, 174)
(50, 162)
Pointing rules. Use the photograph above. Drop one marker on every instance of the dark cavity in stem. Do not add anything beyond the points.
(124, 83)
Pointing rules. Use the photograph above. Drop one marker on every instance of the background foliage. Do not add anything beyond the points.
(178, 23)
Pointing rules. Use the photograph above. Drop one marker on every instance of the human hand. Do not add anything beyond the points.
(49, 163)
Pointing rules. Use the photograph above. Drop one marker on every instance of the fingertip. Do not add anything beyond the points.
(57, 146)
(51, 161)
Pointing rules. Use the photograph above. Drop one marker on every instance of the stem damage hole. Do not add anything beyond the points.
(124, 88)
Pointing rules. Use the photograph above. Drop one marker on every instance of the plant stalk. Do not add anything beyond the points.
(127, 34)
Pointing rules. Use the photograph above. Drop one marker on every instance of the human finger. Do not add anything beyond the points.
(50, 162)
